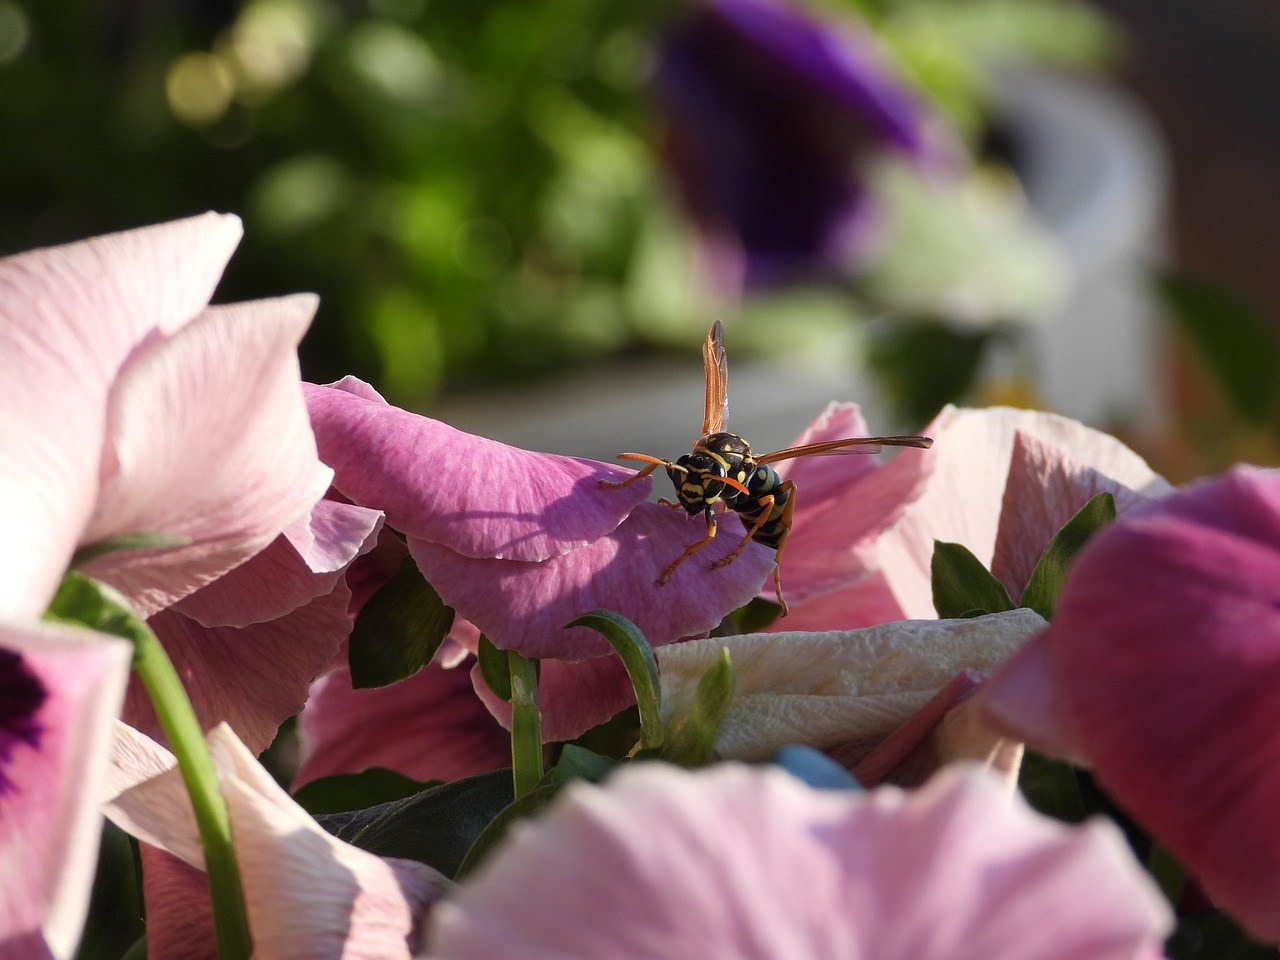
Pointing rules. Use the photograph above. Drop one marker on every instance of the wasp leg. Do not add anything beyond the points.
(788, 512)
(653, 464)
(690, 550)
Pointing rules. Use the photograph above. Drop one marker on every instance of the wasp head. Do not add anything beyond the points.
(697, 479)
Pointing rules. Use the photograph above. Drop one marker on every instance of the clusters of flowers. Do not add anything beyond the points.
(285, 542)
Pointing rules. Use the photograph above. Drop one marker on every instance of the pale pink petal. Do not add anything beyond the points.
(1166, 648)
(479, 497)
(749, 863)
(69, 318)
(60, 689)
(254, 677)
(843, 688)
(429, 727)
(283, 577)
(308, 895)
(210, 441)
(863, 601)
(1052, 474)
(525, 606)
(573, 696)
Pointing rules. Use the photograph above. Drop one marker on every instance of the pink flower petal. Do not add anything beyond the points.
(429, 727)
(309, 896)
(749, 863)
(1166, 647)
(69, 318)
(210, 441)
(59, 692)
(282, 578)
(525, 606)
(478, 497)
(179, 914)
(254, 677)
(1024, 700)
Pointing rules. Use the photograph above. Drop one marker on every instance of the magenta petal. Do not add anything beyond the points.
(60, 690)
(478, 497)
(210, 441)
(179, 915)
(429, 727)
(525, 606)
(573, 697)
(69, 317)
(1166, 643)
(279, 579)
(751, 864)
(1023, 699)
(255, 677)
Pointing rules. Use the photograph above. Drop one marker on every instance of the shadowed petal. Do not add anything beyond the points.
(478, 497)
(848, 689)
(70, 316)
(428, 727)
(309, 896)
(254, 677)
(525, 606)
(60, 689)
(750, 863)
(1166, 649)
(210, 441)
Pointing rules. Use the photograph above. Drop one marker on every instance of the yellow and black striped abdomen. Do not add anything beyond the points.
(763, 483)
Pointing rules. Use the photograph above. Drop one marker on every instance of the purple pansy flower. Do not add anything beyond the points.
(768, 114)
(1161, 669)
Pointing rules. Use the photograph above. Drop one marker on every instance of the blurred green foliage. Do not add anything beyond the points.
(474, 189)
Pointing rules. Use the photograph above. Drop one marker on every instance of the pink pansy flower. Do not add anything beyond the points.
(520, 543)
(136, 408)
(742, 863)
(308, 895)
(999, 481)
(839, 691)
(60, 689)
(1161, 670)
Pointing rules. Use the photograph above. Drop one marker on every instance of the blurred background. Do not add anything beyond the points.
(522, 218)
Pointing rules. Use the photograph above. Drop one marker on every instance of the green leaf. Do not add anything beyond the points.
(398, 630)
(114, 922)
(1045, 584)
(494, 668)
(1053, 788)
(578, 763)
(754, 615)
(526, 806)
(355, 791)
(693, 744)
(962, 585)
(637, 656)
(1233, 339)
(437, 826)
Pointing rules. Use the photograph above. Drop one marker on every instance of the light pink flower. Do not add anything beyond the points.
(308, 895)
(1161, 670)
(999, 481)
(739, 863)
(60, 689)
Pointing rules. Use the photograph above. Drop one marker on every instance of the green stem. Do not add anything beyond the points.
(526, 724)
(186, 739)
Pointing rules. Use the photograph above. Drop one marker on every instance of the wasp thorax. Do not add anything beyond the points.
(729, 446)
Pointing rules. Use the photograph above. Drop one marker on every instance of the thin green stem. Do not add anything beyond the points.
(186, 739)
(526, 724)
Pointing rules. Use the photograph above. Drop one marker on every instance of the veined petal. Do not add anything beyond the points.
(60, 689)
(525, 606)
(747, 862)
(846, 689)
(309, 895)
(477, 497)
(210, 441)
(254, 677)
(70, 316)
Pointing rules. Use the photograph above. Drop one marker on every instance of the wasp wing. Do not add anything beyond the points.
(848, 445)
(716, 364)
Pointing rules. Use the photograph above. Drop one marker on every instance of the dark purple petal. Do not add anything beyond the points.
(767, 113)
(525, 606)
(21, 694)
(474, 496)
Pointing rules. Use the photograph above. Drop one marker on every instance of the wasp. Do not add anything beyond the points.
(722, 472)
